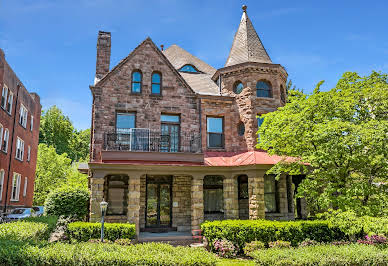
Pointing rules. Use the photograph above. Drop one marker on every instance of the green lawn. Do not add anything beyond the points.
(238, 262)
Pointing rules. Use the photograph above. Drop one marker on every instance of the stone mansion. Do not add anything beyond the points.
(173, 139)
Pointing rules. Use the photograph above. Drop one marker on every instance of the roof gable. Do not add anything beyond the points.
(247, 46)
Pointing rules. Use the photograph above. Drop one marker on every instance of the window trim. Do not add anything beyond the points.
(137, 82)
(17, 194)
(270, 89)
(21, 157)
(160, 84)
(23, 116)
(222, 134)
(2, 175)
(1, 135)
(9, 104)
(5, 89)
(5, 147)
(238, 82)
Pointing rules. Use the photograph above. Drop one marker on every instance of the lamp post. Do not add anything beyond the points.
(103, 207)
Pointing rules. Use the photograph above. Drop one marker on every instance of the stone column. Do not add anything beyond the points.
(133, 214)
(231, 197)
(197, 208)
(256, 195)
(97, 195)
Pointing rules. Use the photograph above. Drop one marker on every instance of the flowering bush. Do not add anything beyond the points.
(225, 248)
(373, 240)
(279, 244)
(340, 243)
(253, 246)
(308, 242)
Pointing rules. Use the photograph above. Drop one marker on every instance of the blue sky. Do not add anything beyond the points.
(51, 44)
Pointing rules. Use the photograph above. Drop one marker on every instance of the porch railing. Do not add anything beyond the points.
(143, 139)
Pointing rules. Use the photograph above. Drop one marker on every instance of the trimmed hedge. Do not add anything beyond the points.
(353, 254)
(18, 253)
(83, 231)
(24, 231)
(245, 231)
(50, 221)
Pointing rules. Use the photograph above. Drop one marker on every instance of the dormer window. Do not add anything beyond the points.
(189, 69)
(238, 87)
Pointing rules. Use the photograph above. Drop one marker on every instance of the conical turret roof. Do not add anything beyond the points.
(247, 46)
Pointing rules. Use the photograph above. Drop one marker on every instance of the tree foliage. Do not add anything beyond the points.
(57, 130)
(53, 171)
(342, 135)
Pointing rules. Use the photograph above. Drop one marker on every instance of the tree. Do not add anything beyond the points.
(53, 171)
(57, 130)
(341, 137)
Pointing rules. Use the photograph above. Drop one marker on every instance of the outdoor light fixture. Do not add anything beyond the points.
(103, 207)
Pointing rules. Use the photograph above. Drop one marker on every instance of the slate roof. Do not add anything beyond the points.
(247, 46)
(199, 82)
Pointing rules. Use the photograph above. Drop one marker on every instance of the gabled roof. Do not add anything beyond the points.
(202, 82)
(247, 46)
(122, 62)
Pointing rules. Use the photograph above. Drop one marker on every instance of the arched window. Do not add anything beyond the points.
(189, 68)
(136, 81)
(263, 89)
(238, 87)
(156, 82)
(282, 95)
(241, 129)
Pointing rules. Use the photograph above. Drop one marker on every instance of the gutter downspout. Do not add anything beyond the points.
(200, 122)
(11, 149)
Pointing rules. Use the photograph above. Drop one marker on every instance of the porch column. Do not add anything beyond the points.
(197, 208)
(256, 195)
(230, 187)
(133, 214)
(97, 195)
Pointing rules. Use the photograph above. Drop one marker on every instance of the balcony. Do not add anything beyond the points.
(143, 144)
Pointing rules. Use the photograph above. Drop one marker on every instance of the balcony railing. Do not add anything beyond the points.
(145, 140)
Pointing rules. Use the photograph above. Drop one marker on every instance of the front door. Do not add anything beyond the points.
(158, 202)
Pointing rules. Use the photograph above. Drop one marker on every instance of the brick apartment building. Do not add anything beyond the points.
(19, 134)
(173, 139)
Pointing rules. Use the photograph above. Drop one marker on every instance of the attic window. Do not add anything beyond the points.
(189, 69)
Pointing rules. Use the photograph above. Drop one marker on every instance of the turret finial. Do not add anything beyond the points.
(244, 8)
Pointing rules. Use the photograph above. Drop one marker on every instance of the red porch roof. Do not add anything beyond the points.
(244, 158)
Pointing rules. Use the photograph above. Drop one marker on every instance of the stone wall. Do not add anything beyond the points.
(181, 198)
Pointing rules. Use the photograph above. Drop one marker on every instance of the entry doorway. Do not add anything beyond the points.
(158, 203)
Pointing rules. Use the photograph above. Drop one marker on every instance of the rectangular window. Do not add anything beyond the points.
(32, 123)
(213, 194)
(124, 122)
(169, 137)
(15, 187)
(23, 116)
(9, 103)
(19, 149)
(270, 193)
(4, 95)
(1, 135)
(25, 187)
(215, 132)
(1, 183)
(28, 153)
(5, 140)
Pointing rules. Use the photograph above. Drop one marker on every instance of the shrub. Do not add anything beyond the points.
(279, 244)
(83, 231)
(340, 243)
(95, 240)
(245, 231)
(352, 254)
(253, 246)
(19, 253)
(123, 241)
(68, 201)
(49, 220)
(24, 231)
(373, 240)
(225, 248)
(308, 242)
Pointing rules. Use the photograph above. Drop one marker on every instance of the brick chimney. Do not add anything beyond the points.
(103, 55)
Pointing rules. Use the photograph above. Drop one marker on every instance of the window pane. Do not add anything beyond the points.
(155, 78)
(156, 88)
(262, 93)
(214, 125)
(238, 88)
(136, 76)
(269, 184)
(270, 202)
(170, 118)
(136, 87)
(262, 85)
(125, 121)
(215, 140)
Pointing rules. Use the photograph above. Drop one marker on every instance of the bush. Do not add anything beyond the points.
(24, 231)
(253, 246)
(225, 248)
(18, 253)
(308, 242)
(82, 231)
(245, 231)
(68, 201)
(353, 254)
(123, 241)
(50, 221)
(373, 240)
(93, 240)
(279, 244)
